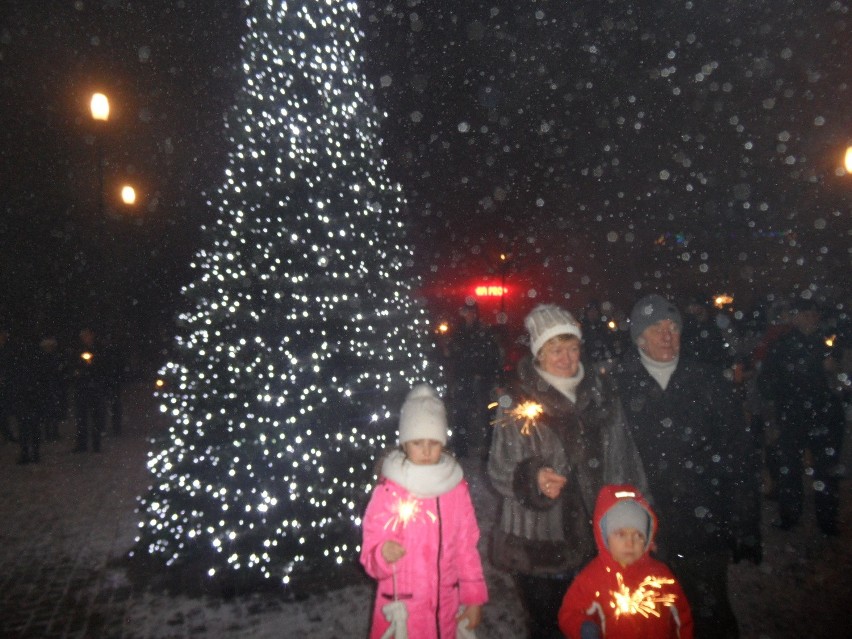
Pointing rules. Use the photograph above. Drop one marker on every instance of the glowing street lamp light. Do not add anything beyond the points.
(100, 107)
(128, 195)
(847, 161)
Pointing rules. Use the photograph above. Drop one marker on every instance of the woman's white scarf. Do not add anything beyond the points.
(424, 481)
(565, 385)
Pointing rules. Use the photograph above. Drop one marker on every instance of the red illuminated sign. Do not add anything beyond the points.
(490, 291)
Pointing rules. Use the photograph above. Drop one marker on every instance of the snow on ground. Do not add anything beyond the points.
(68, 523)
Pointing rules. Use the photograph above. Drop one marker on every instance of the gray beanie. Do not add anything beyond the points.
(548, 320)
(423, 416)
(650, 310)
(626, 514)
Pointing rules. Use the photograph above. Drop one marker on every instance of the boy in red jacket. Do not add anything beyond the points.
(624, 593)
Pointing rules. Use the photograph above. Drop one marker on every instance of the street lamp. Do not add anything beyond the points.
(128, 195)
(847, 162)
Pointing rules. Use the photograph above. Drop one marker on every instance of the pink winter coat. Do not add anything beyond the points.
(441, 569)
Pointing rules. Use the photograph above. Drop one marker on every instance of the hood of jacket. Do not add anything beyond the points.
(608, 497)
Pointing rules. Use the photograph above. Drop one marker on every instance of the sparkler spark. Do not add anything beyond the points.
(528, 411)
(406, 510)
(646, 600)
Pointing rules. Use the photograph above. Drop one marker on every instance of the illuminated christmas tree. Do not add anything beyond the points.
(303, 334)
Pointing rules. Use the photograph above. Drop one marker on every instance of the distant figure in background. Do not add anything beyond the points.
(29, 397)
(599, 344)
(55, 387)
(702, 339)
(89, 391)
(115, 375)
(474, 366)
(6, 376)
(795, 375)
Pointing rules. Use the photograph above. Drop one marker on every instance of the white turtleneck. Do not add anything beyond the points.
(565, 385)
(660, 371)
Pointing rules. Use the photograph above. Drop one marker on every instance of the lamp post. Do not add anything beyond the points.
(100, 113)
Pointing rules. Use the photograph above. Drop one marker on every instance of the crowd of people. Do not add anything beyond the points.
(42, 385)
(630, 467)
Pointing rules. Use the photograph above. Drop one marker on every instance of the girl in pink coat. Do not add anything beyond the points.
(420, 532)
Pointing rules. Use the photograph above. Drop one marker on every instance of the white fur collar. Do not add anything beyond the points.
(565, 385)
(423, 481)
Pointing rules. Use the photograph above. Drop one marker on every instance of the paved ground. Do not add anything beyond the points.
(67, 524)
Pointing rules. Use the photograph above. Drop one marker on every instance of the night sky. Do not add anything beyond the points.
(608, 147)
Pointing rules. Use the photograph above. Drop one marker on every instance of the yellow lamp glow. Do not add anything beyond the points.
(128, 194)
(848, 159)
(100, 107)
(721, 300)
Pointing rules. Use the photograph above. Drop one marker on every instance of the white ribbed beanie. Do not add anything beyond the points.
(548, 320)
(423, 416)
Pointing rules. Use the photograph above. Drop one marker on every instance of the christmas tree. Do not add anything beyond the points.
(303, 334)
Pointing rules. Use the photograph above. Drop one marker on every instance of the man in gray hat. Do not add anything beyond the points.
(699, 459)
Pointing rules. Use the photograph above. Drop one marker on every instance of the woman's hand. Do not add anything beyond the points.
(473, 614)
(551, 483)
(392, 551)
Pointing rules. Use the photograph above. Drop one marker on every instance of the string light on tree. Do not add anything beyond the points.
(301, 330)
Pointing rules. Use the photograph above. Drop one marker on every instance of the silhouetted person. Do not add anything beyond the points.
(55, 387)
(89, 391)
(810, 416)
(29, 397)
(474, 362)
(6, 377)
(599, 343)
(702, 339)
(115, 375)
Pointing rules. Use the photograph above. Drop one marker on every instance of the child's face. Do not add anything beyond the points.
(423, 451)
(626, 545)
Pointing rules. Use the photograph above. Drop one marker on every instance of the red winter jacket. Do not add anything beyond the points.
(639, 601)
(441, 569)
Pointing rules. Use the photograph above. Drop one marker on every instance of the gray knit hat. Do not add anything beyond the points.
(423, 416)
(548, 320)
(626, 514)
(650, 310)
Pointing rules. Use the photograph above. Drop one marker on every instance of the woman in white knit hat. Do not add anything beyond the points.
(420, 533)
(559, 438)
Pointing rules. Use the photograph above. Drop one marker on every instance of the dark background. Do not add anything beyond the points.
(606, 148)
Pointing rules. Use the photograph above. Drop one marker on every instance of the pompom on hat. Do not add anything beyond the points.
(650, 310)
(548, 320)
(423, 416)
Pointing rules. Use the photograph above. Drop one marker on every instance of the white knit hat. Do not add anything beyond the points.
(548, 320)
(422, 416)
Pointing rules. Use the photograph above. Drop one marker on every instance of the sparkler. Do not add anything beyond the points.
(404, 511)
(527, 411)
(646, 600)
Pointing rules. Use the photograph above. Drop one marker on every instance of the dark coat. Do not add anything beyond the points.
(793, 372)
(699, 457)
(587, 441)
